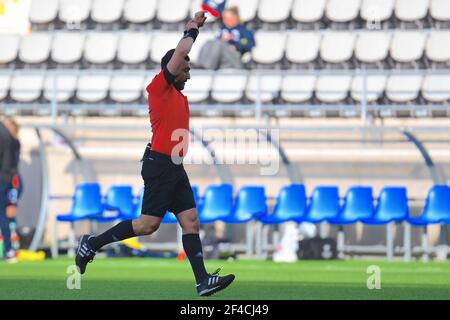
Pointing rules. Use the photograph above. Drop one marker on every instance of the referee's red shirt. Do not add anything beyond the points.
(169, 111)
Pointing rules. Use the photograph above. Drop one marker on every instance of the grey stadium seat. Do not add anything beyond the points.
(126, 88)
(74, 11)
(372, 46)
(333, 88)
(67, 47)
(35, 47)
(139, 41)
(408, 46)
(43, 11)
(107, 11)
(274, 11)
(436, 88)
(140, 11)
(403, 88)
(228, 85)
(438, 46)
(5, 81)
(375, 86)
(302, 47)
(10, 48)
(92, 88)
(270, 47)
(198, 87)
(65, 87)
(269, 87)
(100, 47)
(26, 88)
(298, 88)
(307, 11)
(376, 11)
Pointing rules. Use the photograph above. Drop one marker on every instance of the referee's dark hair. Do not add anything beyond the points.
(165, 60)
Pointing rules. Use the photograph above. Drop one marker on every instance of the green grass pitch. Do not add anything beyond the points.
(165, 279)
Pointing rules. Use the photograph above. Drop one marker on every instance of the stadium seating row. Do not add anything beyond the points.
(176, 11)
(291, 204)
(381, 49)
(229, 86)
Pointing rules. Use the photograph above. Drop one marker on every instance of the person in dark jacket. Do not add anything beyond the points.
(6, 173)
(233, 42)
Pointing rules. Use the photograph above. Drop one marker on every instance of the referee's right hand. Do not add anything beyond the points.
(200, 18)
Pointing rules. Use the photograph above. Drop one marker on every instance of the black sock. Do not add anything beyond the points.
(121, 231)
(193, 248)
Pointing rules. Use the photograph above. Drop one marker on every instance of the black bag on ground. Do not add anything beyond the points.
(317, 249)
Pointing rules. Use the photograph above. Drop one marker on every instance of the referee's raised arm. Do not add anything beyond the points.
(184, 46)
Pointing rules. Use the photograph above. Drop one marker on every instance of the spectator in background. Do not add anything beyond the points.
(15, 188)
(5, 181)
(233, 42)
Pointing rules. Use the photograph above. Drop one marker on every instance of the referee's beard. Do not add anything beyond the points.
(179, 85)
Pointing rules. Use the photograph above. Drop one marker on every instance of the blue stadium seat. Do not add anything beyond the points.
(392, 206)
(217, 203)
(250, 204)
(118, 204)
(87, 203)
(324, 204)
(437, 207)
(358, 205)
(290, 205)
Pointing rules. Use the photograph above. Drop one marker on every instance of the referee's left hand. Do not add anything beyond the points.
(200, 18)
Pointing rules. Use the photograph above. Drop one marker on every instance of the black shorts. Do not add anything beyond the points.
(167, 186)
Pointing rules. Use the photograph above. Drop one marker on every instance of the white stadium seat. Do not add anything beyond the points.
(440, 10)
(302, 47)
(333, 89)
(35, 47)
(5, 80)
(337, 46)
(140, 11)
(100, 47)
(162, 42)
(106, 11)
(247, 8)
(65, 87)
(372, 46)
(407, 46)
(308, 11)
(265, 88)
(74, 11)
(377, 10)
(298, 88)
(198, 87)
(139, 42)
(375, 86)
(126, 88)
(438, 46)
(228, 85)
(10, 48)
(411, 10)
(203, 37)
(274, 11)
(43, 11)
(436, 88)
(92, 88)
(67, 47)
(270, 46)
(342, 10)
(172, 11)
(26, 88)
(401, 88)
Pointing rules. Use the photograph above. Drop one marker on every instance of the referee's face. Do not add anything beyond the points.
(183, 76)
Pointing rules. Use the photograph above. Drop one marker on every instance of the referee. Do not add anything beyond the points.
(167, 186)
